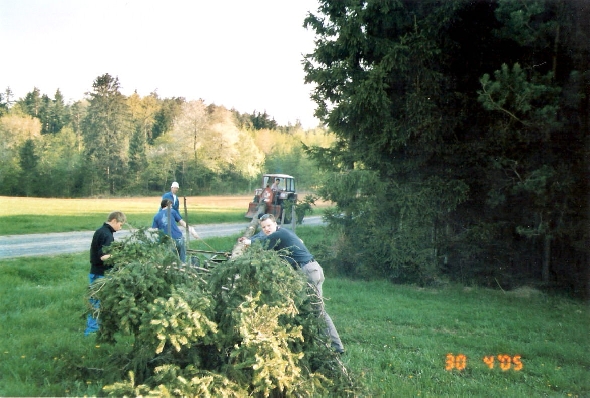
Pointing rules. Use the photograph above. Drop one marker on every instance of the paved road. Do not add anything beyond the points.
(75, 242)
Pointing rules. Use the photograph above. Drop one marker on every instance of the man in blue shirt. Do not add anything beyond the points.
(169, 227)
(277, 238)
(172, 196)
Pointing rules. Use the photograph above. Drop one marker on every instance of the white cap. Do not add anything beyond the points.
(175, 185)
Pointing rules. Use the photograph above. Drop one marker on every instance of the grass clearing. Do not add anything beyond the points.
(45, 215)
(402, 336)
(397, 337)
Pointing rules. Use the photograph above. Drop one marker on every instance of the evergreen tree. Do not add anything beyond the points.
(137, 158)
(28, 161)
(262, 121)
(106, 130)
(31, 104)
(6, 101)
(377, 68)
(44, 114)
(58, 113)
(164, 118)
(3, 105)
(77, 116)
(440, 162)
(535, 110)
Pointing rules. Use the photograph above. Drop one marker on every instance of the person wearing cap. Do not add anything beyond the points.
(169, 227)
(171, 196)
(285, 240)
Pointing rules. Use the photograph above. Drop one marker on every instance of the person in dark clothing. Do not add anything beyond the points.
(102, 238)
(277, 238)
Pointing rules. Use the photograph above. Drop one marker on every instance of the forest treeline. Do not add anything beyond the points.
(463, 138)
(110, 144)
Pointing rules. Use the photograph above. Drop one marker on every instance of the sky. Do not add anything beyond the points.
(242, 54)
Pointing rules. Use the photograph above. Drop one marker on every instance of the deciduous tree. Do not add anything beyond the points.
(15, 131)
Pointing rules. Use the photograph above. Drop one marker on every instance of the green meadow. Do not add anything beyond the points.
(401, 341)
(42, 215)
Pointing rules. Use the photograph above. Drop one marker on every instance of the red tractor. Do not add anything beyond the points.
(277, 196)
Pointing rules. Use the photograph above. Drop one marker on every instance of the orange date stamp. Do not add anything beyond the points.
(505, 362)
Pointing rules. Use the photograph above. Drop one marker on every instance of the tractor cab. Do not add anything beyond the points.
(275, 193)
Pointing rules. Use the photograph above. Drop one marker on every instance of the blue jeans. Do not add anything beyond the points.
(181, 248)
(92, 322)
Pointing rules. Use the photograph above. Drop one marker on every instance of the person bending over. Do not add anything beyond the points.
(277, 238)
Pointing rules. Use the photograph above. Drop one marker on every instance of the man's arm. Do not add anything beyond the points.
(269, 241)
(104, 240)
(194, 233)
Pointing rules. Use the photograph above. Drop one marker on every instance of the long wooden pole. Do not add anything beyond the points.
(169, 215)
(186, 222)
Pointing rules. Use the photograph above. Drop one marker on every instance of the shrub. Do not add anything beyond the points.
(249, 326)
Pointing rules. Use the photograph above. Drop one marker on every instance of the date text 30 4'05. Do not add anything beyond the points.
(505, 362)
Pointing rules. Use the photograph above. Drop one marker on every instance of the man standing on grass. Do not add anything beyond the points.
(165, 220)
(102, 238)
(300, 258)
(172, 196)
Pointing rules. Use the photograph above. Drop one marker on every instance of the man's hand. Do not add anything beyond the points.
(245, 241)
(194, 233)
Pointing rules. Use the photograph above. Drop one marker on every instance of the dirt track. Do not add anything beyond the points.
(76, 242)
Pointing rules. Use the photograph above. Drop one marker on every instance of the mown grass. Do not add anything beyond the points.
(43, 215)
(399, 338)
(396, 337)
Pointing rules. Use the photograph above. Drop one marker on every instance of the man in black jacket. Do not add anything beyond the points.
(102, 238)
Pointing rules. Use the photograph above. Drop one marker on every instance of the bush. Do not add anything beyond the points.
(249, 326)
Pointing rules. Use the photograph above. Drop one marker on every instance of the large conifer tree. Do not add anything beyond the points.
(106, 131)
(446, 159)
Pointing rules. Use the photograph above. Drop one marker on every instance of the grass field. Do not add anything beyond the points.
(401, 341)
(397, 337)
(40, 215)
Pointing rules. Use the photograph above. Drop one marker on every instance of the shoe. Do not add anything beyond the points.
(338, 348)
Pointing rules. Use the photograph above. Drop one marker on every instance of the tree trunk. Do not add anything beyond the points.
(250, 230)
(186, 224)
